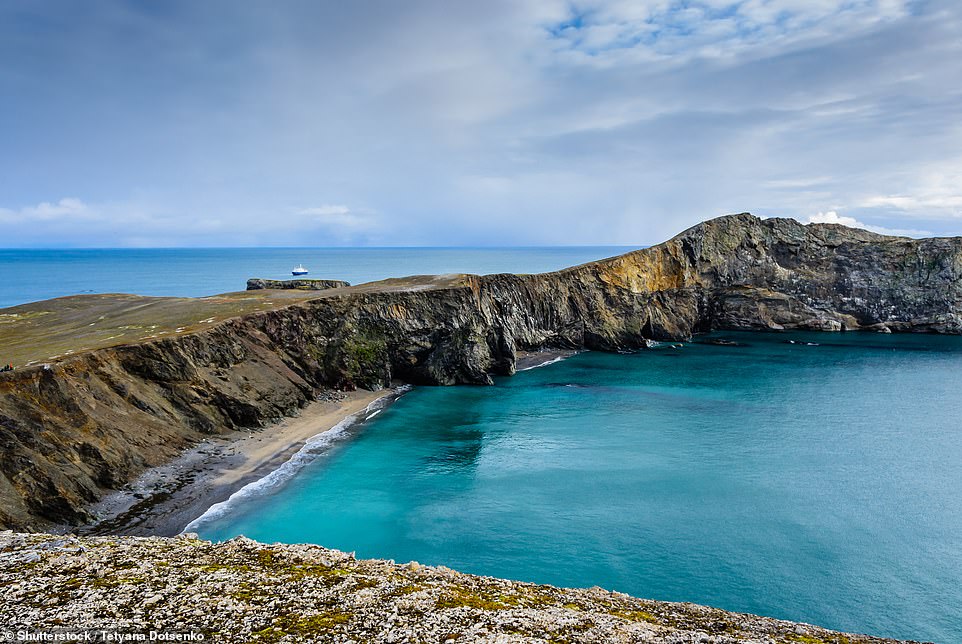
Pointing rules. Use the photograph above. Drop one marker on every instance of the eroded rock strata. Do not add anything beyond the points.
(94, 417)
(244, 591)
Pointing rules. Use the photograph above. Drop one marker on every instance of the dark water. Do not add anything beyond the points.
(812, 483)
(31, 275)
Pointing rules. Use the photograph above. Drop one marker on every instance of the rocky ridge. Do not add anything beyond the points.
(256, 283)
(88, 422)
(244, 591)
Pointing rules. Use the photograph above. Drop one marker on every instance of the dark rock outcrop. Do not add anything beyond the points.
(80, 425)
(255, 283)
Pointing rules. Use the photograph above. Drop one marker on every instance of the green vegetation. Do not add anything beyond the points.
(267, 560)
(266, 557)
(366, 349)
(244, 593)
(635, 616)
(459, 597)
(406, 590)
(809, 639)
(362, 358)
(44, 331)
(309, 625)
(10, 318)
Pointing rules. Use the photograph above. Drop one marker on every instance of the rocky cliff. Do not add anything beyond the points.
(255, 284)
(244, 591)
(130, 381)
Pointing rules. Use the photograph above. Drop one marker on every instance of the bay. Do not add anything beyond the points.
(813, 482)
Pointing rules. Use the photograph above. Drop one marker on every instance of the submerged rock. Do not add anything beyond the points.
(722, 342)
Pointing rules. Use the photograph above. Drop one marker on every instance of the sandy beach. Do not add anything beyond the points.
(165, 499)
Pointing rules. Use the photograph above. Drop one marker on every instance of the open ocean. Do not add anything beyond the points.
(817, 483)
(30, 275)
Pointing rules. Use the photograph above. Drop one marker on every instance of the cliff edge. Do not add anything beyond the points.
(244, 591)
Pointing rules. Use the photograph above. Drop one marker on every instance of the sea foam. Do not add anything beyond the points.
(314, 447)
(545, 363)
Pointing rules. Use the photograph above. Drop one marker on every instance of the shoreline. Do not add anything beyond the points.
(175, 497)
(527, 360)
(164, 501)
(199, 483)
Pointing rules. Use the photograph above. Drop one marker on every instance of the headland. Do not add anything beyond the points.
(106, 387)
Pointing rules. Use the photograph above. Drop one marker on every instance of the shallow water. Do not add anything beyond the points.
(812, 483)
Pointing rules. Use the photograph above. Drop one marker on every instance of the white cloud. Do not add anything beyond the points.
(800, 183)
(327, 210)
(336, 221)
(923, 205)
(66, 208)
(476, 123)
(131, 224)
(603, 30)
(832, 217)
(933, 193)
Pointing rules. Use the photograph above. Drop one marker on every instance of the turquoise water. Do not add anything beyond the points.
(813, 483)
(30, 275)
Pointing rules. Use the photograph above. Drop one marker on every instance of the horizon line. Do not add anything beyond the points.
(480, 247)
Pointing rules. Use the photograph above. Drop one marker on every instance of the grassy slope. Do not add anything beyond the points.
(53, 329)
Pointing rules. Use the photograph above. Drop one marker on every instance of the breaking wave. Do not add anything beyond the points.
(313, 448)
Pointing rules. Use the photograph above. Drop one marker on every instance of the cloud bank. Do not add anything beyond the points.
(497, 123)
(832, 217)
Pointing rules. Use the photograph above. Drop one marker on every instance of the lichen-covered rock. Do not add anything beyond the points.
(244, 591)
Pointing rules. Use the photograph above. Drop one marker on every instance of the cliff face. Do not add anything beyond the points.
(256, 284)
(740, 272)
(78, 426)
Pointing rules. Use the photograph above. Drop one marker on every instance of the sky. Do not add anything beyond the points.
(454, 123)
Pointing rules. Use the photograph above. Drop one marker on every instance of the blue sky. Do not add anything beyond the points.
(472, 123)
